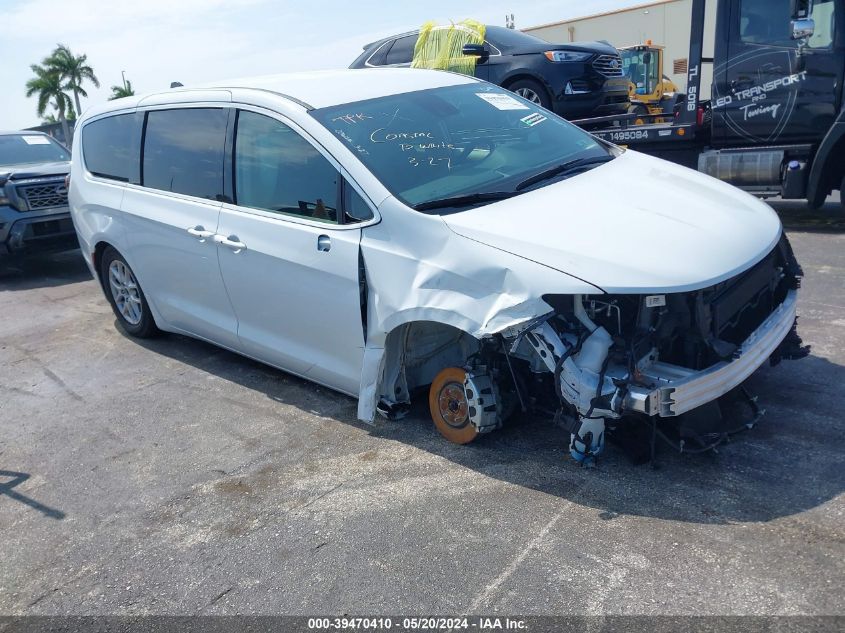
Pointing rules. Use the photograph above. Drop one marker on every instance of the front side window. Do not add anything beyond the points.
(353, 204)
(111, 147)
(459, 141)
(183, 151)
(278, 170)
(29, 149)
(823, 15)
(770, 21)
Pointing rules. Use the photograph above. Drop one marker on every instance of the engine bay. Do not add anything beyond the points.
(614, 357)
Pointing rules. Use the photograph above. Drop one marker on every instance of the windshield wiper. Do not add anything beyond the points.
(466, 200)
(569, 166)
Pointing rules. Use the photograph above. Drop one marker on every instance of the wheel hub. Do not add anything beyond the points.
(453, 405)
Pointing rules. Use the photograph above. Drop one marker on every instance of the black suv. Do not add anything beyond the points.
(575, 80)
(34, 215)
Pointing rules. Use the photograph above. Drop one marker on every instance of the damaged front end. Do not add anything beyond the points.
(602, 362)
(662, 355)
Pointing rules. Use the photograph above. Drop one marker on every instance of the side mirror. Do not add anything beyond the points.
(475, 50)
(802, 29)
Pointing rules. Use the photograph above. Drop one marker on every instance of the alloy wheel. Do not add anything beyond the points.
(125, 292)
(530, 95)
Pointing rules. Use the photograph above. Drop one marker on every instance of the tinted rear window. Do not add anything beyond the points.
(183, 151)
(376, 58)
(402, 50)
(111, 147)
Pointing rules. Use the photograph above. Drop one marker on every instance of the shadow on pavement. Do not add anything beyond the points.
(7, 488)
(796, 215)
(789, 463)
(42, 271)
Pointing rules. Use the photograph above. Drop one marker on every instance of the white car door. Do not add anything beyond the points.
(171, 221)
(289, 256)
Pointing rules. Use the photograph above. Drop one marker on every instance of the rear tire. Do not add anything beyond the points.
(813, 205)
(449, 407)
(125, 296)
(532, 91)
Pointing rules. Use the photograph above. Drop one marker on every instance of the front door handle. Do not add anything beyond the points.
(741, 83)
(199, 232)
(324, 243)
(232, 242)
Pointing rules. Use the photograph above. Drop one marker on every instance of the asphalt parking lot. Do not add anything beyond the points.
(173, 477)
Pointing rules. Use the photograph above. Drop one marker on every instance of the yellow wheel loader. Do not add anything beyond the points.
(651, 92)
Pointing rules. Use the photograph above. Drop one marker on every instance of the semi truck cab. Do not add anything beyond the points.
(779, 76)
(774, 124)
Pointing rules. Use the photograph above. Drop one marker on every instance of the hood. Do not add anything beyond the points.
(515, 42)
(634, 225)
(598, 48)
(33, 170)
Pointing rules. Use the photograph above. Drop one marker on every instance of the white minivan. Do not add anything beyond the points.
(381, 232)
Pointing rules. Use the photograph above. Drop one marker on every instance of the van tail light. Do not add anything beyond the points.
(699, 116)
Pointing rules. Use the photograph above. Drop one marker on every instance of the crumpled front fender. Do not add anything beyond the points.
(429, 273)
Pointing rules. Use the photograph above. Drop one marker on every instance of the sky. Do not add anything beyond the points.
(197, 41)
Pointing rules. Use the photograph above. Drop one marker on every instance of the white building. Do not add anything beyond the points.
(664, 22)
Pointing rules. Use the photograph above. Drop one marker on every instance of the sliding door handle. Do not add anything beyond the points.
(231, 242)
(200, 233)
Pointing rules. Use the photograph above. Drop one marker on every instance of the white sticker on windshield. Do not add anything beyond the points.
(533, 119)
(502, 102)
(36, 140)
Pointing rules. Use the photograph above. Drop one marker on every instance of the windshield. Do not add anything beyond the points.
(456, 141)
(640, 66)
(24, 149)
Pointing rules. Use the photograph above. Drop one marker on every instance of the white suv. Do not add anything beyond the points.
(381, 231)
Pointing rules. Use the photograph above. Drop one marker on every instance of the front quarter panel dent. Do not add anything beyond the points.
(440, 277)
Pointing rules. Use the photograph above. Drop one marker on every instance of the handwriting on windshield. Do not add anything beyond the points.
(425, 140)
(419, 142)
(357, 147)
(352, 118)
(431, 161)
(381, 136)
(422, 147)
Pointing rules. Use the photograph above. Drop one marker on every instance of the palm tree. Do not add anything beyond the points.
(122, 91)
(70, 115)
(73, 70)
(47, 84)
